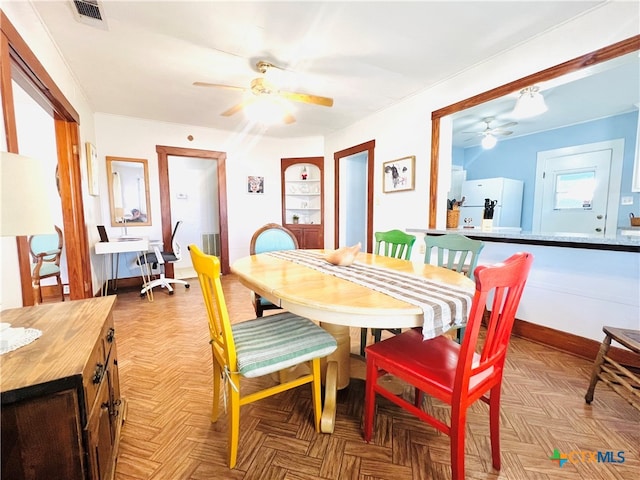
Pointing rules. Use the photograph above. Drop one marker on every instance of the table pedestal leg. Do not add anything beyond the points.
(336, 372)
(340, 355)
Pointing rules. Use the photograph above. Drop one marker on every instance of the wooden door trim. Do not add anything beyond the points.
(368, 147)
(164, 152)
(16, 51)
(607, 53)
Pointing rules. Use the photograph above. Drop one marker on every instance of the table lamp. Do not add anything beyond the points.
(25, 205)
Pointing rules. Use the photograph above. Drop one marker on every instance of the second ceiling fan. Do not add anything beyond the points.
(261, 87)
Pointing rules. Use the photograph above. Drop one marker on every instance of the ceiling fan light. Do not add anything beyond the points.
(268, 110)
(489, 141)
(530, 103)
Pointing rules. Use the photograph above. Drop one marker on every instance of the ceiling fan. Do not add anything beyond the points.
(496, 131)
(261, 87)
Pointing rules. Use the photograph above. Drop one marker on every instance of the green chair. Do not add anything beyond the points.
(396, 244)
(455, 252)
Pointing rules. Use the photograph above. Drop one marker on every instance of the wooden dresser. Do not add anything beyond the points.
(61, 405)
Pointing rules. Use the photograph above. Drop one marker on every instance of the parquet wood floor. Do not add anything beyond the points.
(165, 372)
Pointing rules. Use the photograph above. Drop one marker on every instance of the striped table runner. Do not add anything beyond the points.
(444, 306)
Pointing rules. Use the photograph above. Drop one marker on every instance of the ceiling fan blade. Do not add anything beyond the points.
(237, 108)
(510, 124)
(306, 98)
(218, 85)
(500, 131)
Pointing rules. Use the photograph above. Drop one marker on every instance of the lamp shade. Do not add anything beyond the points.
(25, 205)
(530, 103)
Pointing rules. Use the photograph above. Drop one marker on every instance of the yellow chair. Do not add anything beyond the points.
(396, 244)
(254, 348)
(46, 251)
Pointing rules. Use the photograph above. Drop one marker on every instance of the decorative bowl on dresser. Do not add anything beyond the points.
(61, 405)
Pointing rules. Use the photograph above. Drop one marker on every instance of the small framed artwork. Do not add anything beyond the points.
(92, 169)
(399, 175)
(255, 185)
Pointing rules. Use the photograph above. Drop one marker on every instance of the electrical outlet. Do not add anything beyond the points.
(422, 248)
(65, 289)
(626, 201)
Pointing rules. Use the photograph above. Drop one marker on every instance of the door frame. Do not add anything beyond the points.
(368, 147)
(164, 152)
(15, 51)
(615, 175)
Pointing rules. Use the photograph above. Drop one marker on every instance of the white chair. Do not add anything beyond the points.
(158, 259)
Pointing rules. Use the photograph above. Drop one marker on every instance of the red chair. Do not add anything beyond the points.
(455, 373)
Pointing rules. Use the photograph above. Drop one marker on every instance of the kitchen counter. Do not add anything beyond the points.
(627, 240)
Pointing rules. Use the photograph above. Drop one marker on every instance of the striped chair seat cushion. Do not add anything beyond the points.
(268, 344)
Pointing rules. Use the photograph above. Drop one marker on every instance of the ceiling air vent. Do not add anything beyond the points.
(90, 12)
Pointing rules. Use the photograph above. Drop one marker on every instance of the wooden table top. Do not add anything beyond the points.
(330, 299)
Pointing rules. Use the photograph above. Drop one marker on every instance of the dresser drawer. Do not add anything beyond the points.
(95, 369)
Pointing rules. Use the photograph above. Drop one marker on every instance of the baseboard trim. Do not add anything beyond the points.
(570, 343)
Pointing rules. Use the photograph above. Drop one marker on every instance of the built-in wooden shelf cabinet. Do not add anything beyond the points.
(61, 406)
(303, 199)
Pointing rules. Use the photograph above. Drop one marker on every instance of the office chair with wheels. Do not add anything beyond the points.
(396, 244)
(270, 238)
(46, 251)
(158, 259)
(455, 252)
(255, 348)
(455, 374)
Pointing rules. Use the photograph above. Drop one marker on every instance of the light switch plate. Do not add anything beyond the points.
(626, 201)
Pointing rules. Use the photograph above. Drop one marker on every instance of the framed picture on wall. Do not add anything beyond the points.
(399, 175)
(92, 169)
(255, 185)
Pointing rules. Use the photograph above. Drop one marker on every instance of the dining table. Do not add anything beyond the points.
(374, 292)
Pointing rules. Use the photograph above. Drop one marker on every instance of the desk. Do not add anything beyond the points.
(137, 245)
(339, 304)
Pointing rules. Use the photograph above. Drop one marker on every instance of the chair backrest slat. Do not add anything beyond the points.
(454, 251)
(208, 269)
(504, 284)
(394, 243)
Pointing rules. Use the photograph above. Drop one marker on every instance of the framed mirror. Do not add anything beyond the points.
(563, 77)
(128, 180)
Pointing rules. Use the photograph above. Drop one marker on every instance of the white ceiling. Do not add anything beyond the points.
(365, 55)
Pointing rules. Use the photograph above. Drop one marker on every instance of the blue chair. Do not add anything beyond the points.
(396, 244)
(46, 251)
(270, 238)
(456, 252)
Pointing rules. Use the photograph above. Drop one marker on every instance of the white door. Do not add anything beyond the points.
(574, 189)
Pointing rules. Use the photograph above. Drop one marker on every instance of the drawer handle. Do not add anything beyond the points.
(98, 374)
(110, 335)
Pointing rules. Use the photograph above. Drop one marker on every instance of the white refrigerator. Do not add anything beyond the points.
(506, 191)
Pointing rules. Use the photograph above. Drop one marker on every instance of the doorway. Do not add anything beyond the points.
(193, 159)
(354, 168)
(577, 188)
(20, 65)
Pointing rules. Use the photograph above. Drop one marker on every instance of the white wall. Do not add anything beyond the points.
(136, 138)
(563, 293)
(402, 130)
